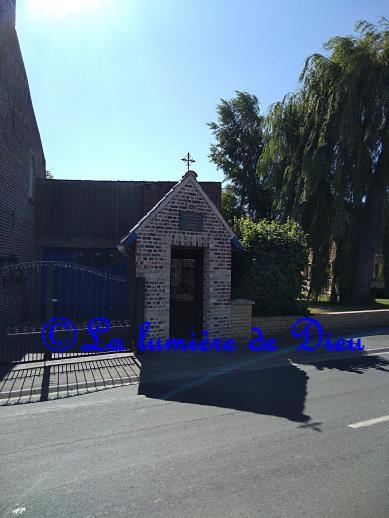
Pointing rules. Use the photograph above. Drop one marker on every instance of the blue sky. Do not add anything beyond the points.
(122, 89)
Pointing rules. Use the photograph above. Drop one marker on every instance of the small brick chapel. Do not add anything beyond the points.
(170, 238)
(183, 251)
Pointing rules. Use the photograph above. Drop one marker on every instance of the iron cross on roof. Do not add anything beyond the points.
(189, 160)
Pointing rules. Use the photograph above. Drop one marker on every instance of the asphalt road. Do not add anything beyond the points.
(271, 443)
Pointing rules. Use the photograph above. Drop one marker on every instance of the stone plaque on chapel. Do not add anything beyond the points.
(191, 221)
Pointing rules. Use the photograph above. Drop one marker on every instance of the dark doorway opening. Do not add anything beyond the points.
(186, 292)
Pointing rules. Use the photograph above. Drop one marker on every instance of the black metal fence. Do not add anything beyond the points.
(30, 344)
(91, 312)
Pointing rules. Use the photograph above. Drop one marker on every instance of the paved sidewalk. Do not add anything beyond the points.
(41, 381)
(163, 365)
(27, 383)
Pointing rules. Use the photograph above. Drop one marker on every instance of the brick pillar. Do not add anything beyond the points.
(241, 319)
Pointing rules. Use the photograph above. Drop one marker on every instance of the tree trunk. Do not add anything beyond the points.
(385, 256)
(371, 217)
(365, 259)
(343, 273)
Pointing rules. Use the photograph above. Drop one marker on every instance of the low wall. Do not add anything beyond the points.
(241, 319)
(333, 322)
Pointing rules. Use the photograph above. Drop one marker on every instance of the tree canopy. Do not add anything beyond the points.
(323, 154)
(327, 155)
(238, 146)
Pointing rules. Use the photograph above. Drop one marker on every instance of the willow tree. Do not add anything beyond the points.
(327, 155)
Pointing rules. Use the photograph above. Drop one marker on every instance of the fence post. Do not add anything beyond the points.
(49, 302)
(139, 306)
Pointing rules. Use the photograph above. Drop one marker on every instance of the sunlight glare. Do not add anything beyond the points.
(61, 8)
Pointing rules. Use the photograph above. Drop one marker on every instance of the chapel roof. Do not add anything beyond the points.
(188, 178)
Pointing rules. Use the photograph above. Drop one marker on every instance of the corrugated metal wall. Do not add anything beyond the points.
(93, 210)
(87, 209)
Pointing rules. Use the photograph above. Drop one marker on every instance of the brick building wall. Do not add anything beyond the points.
(21, 161)
(153, 253)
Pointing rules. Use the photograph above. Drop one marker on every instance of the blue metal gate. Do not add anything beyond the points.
(53, 289)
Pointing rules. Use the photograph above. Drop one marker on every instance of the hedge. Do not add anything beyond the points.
(269, 269)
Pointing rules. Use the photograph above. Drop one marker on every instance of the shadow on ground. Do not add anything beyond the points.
(30, 385)
(279, 392)
(241, 381)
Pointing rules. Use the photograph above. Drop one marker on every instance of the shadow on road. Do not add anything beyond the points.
(239, 381)
(358, 363)
(279, 392)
